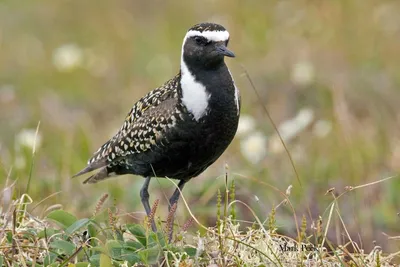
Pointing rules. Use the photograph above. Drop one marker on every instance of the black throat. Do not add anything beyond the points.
(216, 78)
(220, 86)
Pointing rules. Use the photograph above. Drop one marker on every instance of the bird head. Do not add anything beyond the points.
(205, 46)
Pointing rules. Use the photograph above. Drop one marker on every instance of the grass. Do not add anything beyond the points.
(59, 238)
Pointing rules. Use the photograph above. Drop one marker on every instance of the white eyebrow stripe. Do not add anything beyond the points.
(216, 36)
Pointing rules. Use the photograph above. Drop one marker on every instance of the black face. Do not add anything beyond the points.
(200, 52)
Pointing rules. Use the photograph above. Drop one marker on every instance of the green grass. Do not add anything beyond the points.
(60, 238)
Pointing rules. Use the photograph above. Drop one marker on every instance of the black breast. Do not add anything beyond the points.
(193, 145)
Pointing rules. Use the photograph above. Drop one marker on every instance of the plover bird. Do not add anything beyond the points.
(182, 127)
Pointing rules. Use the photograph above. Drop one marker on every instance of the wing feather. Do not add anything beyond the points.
(143, 128)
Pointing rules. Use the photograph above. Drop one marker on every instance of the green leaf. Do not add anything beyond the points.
(65, 246)
(105, 261)
(1, 260)
(63, 218)
(190, 251)
(9, 237)
(92, 232)
(156, 239)
(95, 259)
(129, 251)
(97, 249)
(82, 264)
(77, 225)
(133, 245)
(47, 232)
(114, 248)
(150, 255)
(50, 258)
(139, 232)
(119, 235)
(130, 257)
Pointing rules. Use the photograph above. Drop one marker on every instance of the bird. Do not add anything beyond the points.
(180, 128)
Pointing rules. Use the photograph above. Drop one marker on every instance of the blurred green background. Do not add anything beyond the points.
(327, 71)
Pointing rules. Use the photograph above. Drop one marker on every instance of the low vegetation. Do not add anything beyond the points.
(59, 238)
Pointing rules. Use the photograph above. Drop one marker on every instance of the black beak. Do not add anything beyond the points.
(223, 50)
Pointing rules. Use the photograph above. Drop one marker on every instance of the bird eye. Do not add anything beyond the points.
(200, 40)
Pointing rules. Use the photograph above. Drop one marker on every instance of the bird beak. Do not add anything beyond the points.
(223, 50)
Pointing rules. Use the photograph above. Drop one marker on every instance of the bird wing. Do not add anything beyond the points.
(144, 126)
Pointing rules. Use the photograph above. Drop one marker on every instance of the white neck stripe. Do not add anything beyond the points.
(194, 94)
(216, 36)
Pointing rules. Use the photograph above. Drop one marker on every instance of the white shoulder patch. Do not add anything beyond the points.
(237, 99)
(194, 95)
(237, 94)
(216, 36)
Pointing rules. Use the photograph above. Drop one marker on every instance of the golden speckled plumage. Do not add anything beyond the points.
(143, 127)
(144, 124)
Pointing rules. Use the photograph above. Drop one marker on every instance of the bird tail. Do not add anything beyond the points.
(91, 167)
(101, 175)
(104, 173)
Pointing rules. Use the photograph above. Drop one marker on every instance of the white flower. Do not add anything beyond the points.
(67, 57)
(289, 190)
(20, 162)
(246, 125)
(291, 128)
(200, 248)
(322, 128)
(275, 145)
(303, 73)
(27, 138)
(254, 147)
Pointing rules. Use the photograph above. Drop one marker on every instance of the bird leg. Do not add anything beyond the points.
(174, 199)
(144, 197)
(175, 196)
